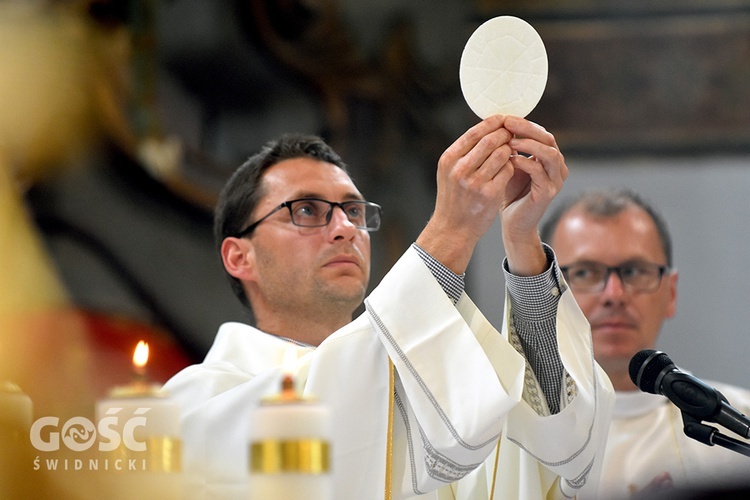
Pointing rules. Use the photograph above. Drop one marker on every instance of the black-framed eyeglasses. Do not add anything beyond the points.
(315, 212)
(592, 277)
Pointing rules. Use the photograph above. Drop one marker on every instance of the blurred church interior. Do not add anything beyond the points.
(121, 119)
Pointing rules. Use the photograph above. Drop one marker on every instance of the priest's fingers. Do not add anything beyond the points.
(469, 139)
(535, 143)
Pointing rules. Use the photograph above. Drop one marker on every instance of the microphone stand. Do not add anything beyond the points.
(706, 434)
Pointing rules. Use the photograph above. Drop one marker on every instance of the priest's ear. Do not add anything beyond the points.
(238, 256)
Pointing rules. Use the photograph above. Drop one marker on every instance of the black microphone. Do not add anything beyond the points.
(652, 371)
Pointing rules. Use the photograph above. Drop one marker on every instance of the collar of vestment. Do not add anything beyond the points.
(252, 350)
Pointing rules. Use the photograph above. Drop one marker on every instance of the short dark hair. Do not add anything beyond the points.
(244, 189)
(608, 203)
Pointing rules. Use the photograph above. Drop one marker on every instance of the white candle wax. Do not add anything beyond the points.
(139, 435)
(15, 448)
(289, 449)
(15, 411)
(158, 416)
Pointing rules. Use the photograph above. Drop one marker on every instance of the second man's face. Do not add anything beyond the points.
(623, 321)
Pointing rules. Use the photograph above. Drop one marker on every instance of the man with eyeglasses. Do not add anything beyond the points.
(615, 251)
(421, 388)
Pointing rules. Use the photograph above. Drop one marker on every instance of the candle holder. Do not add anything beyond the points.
(148, 423)
(16, 412)
(141, 446)
(289, 447)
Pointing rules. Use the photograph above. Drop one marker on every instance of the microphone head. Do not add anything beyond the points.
(647, 368)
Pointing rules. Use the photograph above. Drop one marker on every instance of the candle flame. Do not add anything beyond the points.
(140, 356)
(287, 380)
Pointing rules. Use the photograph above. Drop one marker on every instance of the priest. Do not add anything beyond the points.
(426, 397)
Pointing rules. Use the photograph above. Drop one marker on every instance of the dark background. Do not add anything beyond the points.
(636, 89)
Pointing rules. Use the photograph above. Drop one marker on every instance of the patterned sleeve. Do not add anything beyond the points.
(534, 301)
(533, 310)
(452, 283)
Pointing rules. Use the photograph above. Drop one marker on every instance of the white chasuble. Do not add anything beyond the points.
(459, 386)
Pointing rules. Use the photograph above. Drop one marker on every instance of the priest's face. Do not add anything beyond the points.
(623, 318)
(310, 272)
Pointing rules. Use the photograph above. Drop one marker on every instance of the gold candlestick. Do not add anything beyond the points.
(289, 447)
(142, 444)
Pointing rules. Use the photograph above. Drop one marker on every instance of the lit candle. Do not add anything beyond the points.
(15, 412)
(289, 446)
(139, 433)
(15, 448)
(140, 360)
